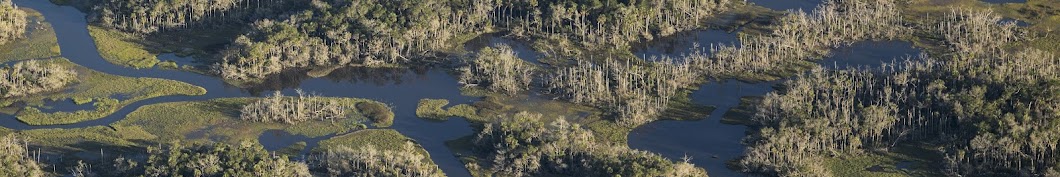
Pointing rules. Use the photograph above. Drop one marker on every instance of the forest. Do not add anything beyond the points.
(993, 111)
(538, 88)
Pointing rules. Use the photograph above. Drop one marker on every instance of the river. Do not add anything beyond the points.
(402, 89)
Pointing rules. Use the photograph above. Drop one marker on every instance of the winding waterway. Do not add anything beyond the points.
(710, 143)
(402, 89)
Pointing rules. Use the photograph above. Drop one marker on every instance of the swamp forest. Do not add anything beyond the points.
(483, 88)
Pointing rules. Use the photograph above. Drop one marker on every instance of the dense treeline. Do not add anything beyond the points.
(369, 161)
(246, 159)
(150, 16)
(292, 109)
(525, 145)
(605, 24)
(30, 77)
(498, 69)
(16, 160)
(175, 159)
(993, 111)
(374, 33)
(341, 33)
(802, 36)
(12, 22)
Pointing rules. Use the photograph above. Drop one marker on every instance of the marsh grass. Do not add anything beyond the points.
(101, 87)
(40, 41)
(219, 119)
(433, 109)
(923, 162)
(122, 49)
(382, 139)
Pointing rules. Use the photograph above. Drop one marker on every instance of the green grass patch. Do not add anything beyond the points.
(433, 109)
(101, 88)
(382, 139)
(122, 49)
(40, 41)
(379, 113)
(87, 138)
(218, 120)
(918, 159)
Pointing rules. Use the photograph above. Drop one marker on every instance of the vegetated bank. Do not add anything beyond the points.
(215, 131)
(983, 103)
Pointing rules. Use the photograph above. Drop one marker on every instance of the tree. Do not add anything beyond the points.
(16, 160)
(12, 22)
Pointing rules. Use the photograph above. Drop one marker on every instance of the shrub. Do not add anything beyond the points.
(379, 113)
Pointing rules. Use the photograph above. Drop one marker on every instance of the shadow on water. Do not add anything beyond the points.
(684, 43)
(400, 88)
(711, 143)
(786, 5)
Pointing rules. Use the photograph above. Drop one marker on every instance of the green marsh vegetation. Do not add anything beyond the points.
(176, 134)
(38, 42)
(103, 89)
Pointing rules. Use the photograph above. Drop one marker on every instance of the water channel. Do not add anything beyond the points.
(709, 142)
(402, 89)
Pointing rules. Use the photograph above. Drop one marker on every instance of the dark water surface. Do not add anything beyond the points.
(786, 5)
(711, 143)
(402, 89)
